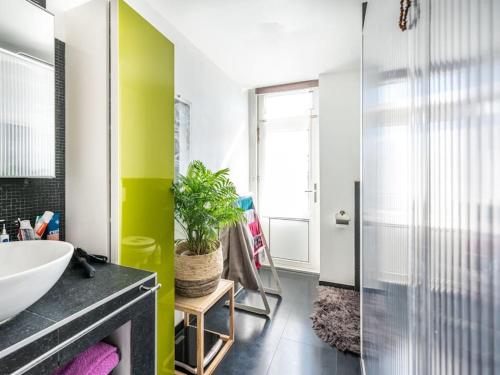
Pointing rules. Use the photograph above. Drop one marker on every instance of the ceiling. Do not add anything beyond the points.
(265, 42)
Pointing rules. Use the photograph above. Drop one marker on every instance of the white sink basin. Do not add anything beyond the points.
(28, 269)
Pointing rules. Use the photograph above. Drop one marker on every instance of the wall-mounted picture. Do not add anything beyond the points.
(182, 136)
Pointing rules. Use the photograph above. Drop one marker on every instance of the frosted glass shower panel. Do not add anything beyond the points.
(27, 118)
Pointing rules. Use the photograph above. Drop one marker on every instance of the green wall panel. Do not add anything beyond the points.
(146, 138)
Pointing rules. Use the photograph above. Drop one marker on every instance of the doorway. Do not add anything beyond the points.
(287, 176)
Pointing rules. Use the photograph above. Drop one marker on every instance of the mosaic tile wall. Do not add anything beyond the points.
(26, 198)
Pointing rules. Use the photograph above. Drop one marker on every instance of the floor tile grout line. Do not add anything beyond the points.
(279, 341)
(309, 344)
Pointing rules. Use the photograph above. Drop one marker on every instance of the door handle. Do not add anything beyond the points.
(315, 191)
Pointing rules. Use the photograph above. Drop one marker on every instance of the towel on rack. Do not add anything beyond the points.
(238, 256)
(99, 359)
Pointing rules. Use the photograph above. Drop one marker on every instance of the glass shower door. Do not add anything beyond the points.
(431, 202)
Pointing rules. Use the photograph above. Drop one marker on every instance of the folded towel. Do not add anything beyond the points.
(99, 359)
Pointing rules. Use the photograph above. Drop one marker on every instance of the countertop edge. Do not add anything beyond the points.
(19, 345)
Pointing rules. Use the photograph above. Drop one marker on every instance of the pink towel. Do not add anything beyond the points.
(256, 230)
(99, 359)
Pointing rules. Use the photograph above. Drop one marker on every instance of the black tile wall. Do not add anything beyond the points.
(27, 198)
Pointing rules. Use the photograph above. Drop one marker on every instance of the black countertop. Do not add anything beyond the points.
(71, 297)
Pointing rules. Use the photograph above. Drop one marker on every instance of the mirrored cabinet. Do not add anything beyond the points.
(27, 84)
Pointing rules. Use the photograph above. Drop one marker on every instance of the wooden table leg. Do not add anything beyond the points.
(231, 314)
(200, 344)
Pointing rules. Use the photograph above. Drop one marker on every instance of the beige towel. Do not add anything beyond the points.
(238, 256)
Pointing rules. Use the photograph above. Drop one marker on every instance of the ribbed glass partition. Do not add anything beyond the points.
(431, 188)
(385, 190)
(27, 122)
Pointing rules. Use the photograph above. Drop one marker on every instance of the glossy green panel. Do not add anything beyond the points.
(146, 128)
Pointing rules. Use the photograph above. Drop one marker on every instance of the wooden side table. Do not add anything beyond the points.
(199, 307)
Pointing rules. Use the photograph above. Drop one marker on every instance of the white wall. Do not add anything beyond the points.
(86, 132)
(219, 107)
(339, 167)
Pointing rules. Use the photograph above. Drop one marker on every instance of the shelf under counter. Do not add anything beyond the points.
(65, 319)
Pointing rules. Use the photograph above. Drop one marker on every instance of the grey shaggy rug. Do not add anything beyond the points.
(336, 318)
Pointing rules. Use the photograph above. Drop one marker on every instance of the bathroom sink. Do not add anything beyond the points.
(28, 269)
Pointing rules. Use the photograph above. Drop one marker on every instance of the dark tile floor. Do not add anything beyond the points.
(285, 343)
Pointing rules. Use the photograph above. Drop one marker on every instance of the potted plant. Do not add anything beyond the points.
(205, 202)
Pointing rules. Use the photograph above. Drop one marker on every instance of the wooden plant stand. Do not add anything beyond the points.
(199, 307)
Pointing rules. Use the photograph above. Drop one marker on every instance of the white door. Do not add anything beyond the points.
(287, 177)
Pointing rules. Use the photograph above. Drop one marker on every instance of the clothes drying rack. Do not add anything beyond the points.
(258, 242)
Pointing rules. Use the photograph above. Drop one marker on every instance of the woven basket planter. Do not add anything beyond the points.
(197, 275)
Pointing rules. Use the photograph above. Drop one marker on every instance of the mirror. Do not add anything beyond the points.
(27, 91)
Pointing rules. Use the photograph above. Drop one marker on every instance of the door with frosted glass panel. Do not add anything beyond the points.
(287, 190)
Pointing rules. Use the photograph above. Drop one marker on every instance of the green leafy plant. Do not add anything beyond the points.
(205, 202)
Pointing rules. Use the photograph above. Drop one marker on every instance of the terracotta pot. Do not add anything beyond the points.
(197, 275)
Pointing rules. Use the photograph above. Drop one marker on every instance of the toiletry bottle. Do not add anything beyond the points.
(53, 228)
(41, 224)
(26, 232)
(4, 237)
